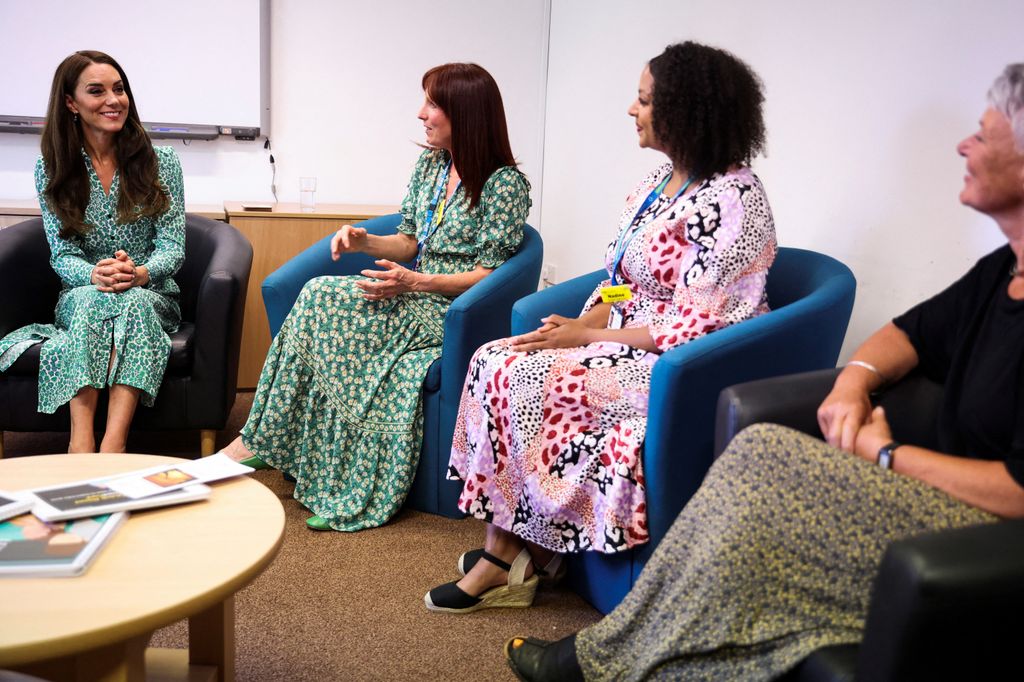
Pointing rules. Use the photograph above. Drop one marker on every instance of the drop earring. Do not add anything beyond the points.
(76, 117)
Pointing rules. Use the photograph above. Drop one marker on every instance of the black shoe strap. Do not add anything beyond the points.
(496, 561)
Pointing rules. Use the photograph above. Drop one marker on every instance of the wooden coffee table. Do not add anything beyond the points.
(162, 565)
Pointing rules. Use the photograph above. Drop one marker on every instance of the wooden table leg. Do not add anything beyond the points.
(122, 662)
(207, 442)
(211, 639)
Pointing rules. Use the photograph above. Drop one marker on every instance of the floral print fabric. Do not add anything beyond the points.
(88, 323)
(547, 443)
(338, 405)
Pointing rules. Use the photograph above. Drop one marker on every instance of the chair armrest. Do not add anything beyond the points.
(566, 298)
(911, 405)
(947, 605)
(790, 400)
(687, 379)
(28, 285)
(282, 287)
(481, 314)
(220, 306)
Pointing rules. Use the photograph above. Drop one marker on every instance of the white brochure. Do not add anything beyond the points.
(156, 480)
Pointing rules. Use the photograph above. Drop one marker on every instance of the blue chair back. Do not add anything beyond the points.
(479, 315)
(811, 296)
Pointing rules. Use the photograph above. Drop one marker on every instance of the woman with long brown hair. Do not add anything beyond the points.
(113, 211)
(338, 402)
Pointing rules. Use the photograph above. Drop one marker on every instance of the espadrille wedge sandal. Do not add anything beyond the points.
(518, 592)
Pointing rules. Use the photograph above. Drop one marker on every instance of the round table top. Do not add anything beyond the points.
(160, 566)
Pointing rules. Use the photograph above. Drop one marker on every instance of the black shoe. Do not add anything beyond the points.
(518, 591)
(537, 660)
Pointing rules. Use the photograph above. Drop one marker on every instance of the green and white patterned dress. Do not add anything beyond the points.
(88, 323)
(338, 405)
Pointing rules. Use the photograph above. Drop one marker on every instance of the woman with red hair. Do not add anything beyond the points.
(338, 402)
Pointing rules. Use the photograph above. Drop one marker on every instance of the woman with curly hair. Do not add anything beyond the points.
(775, 555)
(113, 212)
(551, 422)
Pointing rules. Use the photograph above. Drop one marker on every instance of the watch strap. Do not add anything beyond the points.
(886, 454)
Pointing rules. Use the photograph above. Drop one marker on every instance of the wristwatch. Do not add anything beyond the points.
(887, 454)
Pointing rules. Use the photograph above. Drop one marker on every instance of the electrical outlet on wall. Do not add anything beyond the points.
(547, 275)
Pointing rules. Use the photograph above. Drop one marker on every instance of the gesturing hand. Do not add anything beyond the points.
(555, 332)
(348, 239)
(390, 282)
(113, 275)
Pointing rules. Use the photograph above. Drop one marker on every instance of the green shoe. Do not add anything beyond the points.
(318, 523)
(254, 462)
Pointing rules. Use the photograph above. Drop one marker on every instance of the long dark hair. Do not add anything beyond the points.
(707, 108)
(67, 192)
(470, 98)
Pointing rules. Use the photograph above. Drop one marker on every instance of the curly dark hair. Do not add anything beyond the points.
(707, 109)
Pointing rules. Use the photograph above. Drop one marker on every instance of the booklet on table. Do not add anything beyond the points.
(12, 504)
(160, 479)
(90, 498)
(32, 547)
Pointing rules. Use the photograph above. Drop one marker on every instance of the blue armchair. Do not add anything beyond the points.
(811, 296)
(479, 315)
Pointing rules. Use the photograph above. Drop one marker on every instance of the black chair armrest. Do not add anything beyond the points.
(219, 309)
(911, 405)
(790, 400)
(28, 292)
(947, 606)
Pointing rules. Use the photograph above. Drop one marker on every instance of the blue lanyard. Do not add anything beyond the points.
(430, 228)
(634, 227)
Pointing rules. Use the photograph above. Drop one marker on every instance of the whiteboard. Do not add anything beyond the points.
(194, 62)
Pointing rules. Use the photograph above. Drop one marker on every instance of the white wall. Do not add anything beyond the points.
(865, 104)
(345, 90)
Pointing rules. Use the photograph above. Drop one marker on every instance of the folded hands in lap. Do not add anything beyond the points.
(555, 332)
(848, 421)
(117, 274)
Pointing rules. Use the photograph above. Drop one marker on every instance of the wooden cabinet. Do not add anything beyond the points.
(14, 211)
(277, 236)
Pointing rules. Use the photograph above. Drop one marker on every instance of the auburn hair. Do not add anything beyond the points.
(470, 98)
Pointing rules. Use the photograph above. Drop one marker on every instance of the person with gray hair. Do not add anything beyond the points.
(775, 554)
(1007, 97)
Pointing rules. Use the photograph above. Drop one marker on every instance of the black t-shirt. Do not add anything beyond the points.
(970, 338)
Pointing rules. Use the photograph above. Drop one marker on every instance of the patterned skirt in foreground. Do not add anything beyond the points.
(338, 405)
(548, 444)
(773, 558)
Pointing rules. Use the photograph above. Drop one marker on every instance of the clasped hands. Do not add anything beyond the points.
(848, 421)
(555, 332)
(117, 274)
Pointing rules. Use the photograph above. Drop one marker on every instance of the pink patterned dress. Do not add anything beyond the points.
(548, 442)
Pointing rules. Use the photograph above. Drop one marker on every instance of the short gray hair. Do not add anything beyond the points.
(1007, 96)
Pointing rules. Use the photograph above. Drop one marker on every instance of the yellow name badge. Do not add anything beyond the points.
(614, 294)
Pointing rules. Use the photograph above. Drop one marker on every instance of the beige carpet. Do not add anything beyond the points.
(349, 606)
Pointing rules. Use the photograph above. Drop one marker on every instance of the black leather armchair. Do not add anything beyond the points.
(198, 390)
(944, 606)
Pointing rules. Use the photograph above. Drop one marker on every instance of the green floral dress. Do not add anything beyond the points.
(89, 324)
(338, 405)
